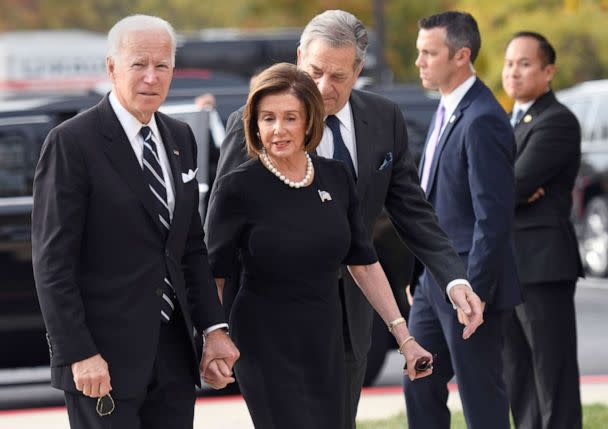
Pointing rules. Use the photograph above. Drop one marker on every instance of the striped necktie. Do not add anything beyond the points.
(153, 175)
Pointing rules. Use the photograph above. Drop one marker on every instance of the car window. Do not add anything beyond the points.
(20, 142)
(13, 165)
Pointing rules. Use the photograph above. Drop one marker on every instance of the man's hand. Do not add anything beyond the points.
(92, 376)
(408, 294)
(219, 356)
(470, 306)
(537, 195)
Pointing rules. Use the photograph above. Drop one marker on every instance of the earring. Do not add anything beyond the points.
(258, 134)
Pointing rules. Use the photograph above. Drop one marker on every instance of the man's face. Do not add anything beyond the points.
(524, 78)
(434, 63)
(141, 72)
(333, 70)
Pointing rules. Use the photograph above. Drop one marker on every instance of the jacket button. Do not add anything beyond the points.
(159, 291)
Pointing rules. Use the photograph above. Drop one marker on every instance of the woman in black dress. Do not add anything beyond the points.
(294, 218)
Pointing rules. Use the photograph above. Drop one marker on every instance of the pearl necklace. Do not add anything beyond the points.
(270, 166)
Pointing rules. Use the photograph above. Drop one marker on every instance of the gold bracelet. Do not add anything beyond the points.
(392, 324)
(410, 338)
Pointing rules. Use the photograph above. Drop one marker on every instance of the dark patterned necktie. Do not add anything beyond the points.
(341, 152)
(153, 175)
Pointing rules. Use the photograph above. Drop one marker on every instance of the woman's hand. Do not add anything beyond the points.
(413, 354)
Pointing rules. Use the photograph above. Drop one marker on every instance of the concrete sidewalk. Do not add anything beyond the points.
(231, 412)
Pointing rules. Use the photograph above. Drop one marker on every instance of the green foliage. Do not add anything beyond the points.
(576, 27)
(595, 416)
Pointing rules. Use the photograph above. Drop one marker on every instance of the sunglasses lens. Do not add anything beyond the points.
(105, 405)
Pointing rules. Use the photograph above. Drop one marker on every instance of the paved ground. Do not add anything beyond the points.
(231, 413)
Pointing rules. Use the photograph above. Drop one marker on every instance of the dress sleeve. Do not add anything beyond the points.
(361, 251)
(225, 223)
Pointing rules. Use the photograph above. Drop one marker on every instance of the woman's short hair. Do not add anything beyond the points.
(278, 79)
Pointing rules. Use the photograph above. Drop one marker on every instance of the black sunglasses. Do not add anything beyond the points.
(105, 405)
(422, 364)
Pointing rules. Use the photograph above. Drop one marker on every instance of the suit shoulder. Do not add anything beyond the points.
(373, 100)
(242, 174)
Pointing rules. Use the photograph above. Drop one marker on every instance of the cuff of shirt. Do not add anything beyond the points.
(454, 283)
(212, 328)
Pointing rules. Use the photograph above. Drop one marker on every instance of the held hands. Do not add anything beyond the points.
(92, 377)
(219, 356)
(470, 308)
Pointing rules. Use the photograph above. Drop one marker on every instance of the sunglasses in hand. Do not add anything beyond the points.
(105, 405)
(422, 364)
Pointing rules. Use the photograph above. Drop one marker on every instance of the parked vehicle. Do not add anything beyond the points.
(589, 102)
(23, 128)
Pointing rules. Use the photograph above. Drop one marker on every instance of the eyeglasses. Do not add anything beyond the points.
(105, 405)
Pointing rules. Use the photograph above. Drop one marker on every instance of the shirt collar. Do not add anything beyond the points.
(450, 101)
(523, 106)
(130, 124)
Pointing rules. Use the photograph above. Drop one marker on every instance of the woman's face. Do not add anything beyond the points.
(282, 125)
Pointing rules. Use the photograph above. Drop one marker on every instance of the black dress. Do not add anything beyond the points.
(286, 319)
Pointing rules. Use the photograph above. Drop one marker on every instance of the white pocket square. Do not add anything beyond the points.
(186, 177)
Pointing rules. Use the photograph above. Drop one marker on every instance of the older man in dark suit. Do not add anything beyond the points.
(367, 132)
(542, 375)
(467, 173)
(119, 259)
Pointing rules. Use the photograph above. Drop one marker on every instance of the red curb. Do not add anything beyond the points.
(380, 390)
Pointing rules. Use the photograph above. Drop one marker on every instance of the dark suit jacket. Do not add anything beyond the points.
(381, 136)
(99, 255)
(472, 188)
(548, 155)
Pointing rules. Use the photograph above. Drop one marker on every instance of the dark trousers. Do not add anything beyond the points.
(477, 363)
(541, 358)
(354, 375)
(168, 401)
(354, 372)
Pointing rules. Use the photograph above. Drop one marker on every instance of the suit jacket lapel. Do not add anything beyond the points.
(175, 163)
(118, 149)
(363, 140)
(530, 118)
(452, 121)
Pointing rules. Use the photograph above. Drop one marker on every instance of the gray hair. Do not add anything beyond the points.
(338, 28)
(138, 22)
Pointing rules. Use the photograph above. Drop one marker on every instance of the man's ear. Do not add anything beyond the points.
(299, 60)
(463, 55)
(110, 68)
(359, 69)
(549, 72)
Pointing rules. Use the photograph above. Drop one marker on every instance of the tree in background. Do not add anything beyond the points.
(576, 27)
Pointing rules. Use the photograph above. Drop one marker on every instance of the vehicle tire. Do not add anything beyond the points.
(381, 343)
(594, 238)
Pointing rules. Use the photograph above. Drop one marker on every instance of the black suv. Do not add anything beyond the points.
(589, 102)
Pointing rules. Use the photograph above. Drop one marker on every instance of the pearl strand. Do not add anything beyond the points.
(270, 166)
